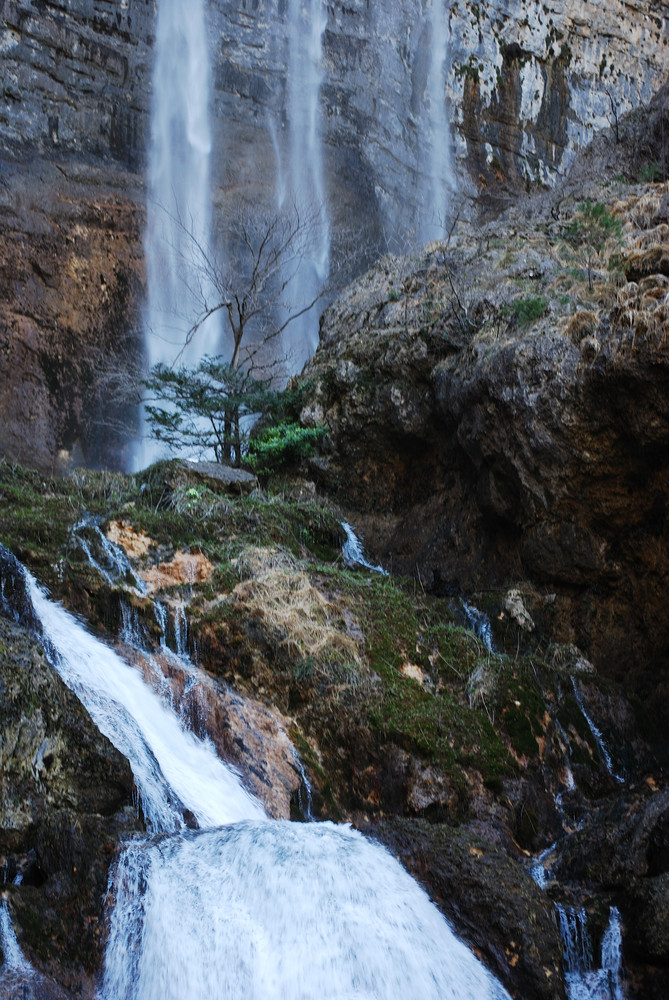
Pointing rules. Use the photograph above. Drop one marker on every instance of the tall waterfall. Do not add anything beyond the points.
(179, 202)
(300, 184)
(435, 151)
(178, 218)
(245, 908)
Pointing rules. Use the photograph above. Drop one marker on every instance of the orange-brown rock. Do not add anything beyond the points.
(185, 567)
(136, 543)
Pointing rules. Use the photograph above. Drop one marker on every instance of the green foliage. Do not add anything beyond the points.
(206, 409)
(592, 232)
(280, 445)
(529, 309)
(651, 172)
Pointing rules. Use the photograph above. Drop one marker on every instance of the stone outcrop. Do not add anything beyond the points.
(495, 422)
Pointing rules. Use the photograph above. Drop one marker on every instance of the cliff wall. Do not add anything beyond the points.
(527, 84)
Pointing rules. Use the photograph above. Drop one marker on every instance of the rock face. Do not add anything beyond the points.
(524, 89)
(491, 430)
(65, 805)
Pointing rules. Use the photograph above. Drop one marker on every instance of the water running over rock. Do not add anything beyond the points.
(249, 908)
(584, 981)
(354, 553)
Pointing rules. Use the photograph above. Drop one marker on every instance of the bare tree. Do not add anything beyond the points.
(258, 287)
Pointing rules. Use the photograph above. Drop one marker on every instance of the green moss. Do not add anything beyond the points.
(433, 720)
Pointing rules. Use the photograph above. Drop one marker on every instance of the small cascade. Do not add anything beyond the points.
(612, 955)
(435, 145)
(597, 734)
(575, 939)
(539, 869)
(173, 624)
(584, 981)
(301, 186)
(180, 629)
(108, 559)
(353, 552)
(304, 790)
(174, 770)
(479, 623)
(16, 971)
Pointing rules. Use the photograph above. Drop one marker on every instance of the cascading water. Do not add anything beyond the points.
(597, 734)
(178, 227)
(302, 186)
(250, 908)
(584, 982)
(353, 551)
(479, 623)
(435, 160)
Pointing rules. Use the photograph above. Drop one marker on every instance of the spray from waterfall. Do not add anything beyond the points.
(178, 224)
(434, 150)
(300, 186)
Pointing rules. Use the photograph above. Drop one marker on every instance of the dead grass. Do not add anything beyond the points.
(308, 625)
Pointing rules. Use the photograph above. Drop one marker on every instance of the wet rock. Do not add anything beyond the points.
(489, 900)
(66, 802)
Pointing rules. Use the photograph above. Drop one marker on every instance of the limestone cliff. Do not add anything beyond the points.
(526, 85)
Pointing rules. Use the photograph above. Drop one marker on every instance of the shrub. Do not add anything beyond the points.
(280, 445)
(529, 309)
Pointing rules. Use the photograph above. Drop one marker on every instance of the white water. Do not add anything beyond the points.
(479, 623)
(584, 982)
(284, 911)
(597, 734)
(250, 909)
(178, 225)
(301, 184)
(435, 143)
(15, 960)
(171, 766)
(110, 561)
(353, 551)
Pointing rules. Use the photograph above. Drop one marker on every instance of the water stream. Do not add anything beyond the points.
(244, 908)
(597, 734)
(583, 979)
(353, 551)
(435, 143)
(300, 186)
(177, 240)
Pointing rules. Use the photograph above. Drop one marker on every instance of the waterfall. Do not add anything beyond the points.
(177, 241)
(597, 734)
(479, 623)
(245, 908)
(353, 552)
(584, 982)
(302, 186)
(434, 151)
